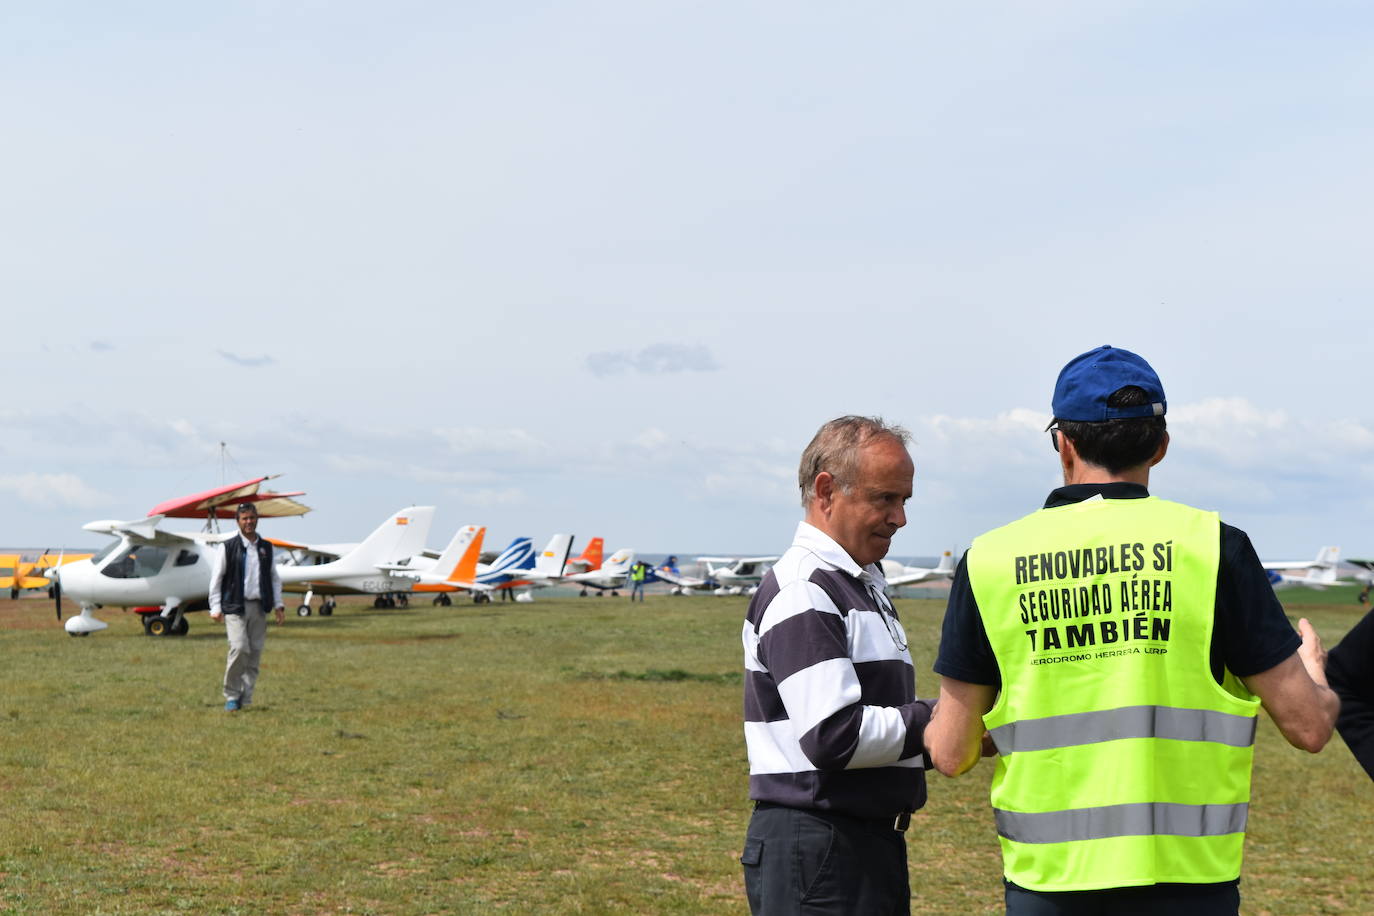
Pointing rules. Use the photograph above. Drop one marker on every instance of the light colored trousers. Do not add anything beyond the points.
(247, 636)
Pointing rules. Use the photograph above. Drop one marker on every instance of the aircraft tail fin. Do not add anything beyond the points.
(458, 562)
(519, 555)
(1324, 570)
(554, 556)
(399, 537)
(592, 554)
(620, 561)
(946, 563)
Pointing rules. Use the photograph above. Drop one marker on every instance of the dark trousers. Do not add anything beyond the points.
(1175, 899)
(798, 863)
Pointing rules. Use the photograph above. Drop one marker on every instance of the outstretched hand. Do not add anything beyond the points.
(1311, 652)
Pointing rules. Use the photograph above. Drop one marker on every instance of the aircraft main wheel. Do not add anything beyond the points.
(379, 602)
(181, 627)
(303, 611)
(157, 625)
(327, 609)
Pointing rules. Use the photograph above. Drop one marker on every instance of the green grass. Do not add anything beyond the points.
(567, 756)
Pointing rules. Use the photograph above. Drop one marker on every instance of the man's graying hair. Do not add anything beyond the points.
(835, 448)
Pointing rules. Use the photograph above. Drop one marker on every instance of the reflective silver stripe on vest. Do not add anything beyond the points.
(1127, 722)
(1146, 819)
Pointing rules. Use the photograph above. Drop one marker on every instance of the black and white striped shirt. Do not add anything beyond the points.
(831, 718)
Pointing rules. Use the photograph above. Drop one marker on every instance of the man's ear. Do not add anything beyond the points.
(1068, 455)
(825, 490)
(1161, 451)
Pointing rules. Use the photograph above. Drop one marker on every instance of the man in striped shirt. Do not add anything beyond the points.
(831, 719)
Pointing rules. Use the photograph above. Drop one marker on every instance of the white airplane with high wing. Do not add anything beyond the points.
(737, 575)
(898, 575)
(610, 577)
(146, 566)
(1320, 572)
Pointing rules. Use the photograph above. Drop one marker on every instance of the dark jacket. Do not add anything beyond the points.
(231, 585)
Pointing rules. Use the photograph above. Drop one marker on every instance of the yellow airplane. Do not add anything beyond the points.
(17, 574)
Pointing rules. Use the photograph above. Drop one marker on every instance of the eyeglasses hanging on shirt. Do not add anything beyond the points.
(889, 615)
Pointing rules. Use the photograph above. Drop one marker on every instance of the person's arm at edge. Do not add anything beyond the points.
(277, 604)
(1296, 696)
(216, 581)
(954, 737)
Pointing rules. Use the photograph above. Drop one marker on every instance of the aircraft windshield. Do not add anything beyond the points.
(104, 552)
(137, 561)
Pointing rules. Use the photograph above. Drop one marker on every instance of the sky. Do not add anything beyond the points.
(604, 267)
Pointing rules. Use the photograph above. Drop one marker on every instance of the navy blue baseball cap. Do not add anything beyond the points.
(1091, 378)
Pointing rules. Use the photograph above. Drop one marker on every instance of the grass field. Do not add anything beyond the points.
(567, 756)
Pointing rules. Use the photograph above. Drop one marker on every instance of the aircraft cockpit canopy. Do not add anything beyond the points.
(104, 552)
(136, 561)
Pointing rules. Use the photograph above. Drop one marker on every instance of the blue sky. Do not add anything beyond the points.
(605, 267)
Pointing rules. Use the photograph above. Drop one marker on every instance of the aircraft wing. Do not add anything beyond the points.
(677, 578)
(918, 575)
(222, 502)
(1363, 564)
(146, 531)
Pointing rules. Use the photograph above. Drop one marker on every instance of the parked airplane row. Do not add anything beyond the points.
(164, 574)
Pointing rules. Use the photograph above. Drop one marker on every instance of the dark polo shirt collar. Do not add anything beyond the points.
(1076, 493)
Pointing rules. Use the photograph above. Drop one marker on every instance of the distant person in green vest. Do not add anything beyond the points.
(1116, 648)
(638, 573)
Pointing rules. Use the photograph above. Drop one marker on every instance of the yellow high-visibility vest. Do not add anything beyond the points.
(1122, 761)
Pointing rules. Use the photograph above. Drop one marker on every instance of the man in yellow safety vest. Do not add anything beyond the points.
(1116, 648)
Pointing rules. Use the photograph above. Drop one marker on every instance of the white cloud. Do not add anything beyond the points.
(655, 359)
(48, 490)
(248, 362)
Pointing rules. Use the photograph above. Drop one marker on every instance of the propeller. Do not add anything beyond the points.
(55, 576)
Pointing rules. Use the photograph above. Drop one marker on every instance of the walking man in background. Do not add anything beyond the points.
(243, 583)
(638, 573)
(1117, 647)
(831, 719)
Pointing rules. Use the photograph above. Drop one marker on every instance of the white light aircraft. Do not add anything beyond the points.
(737, 575)
(453, 570)
(898, 575)
(1320, 572)
(548, 567)
(146, 566)
(680, 583)
(609, 578)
